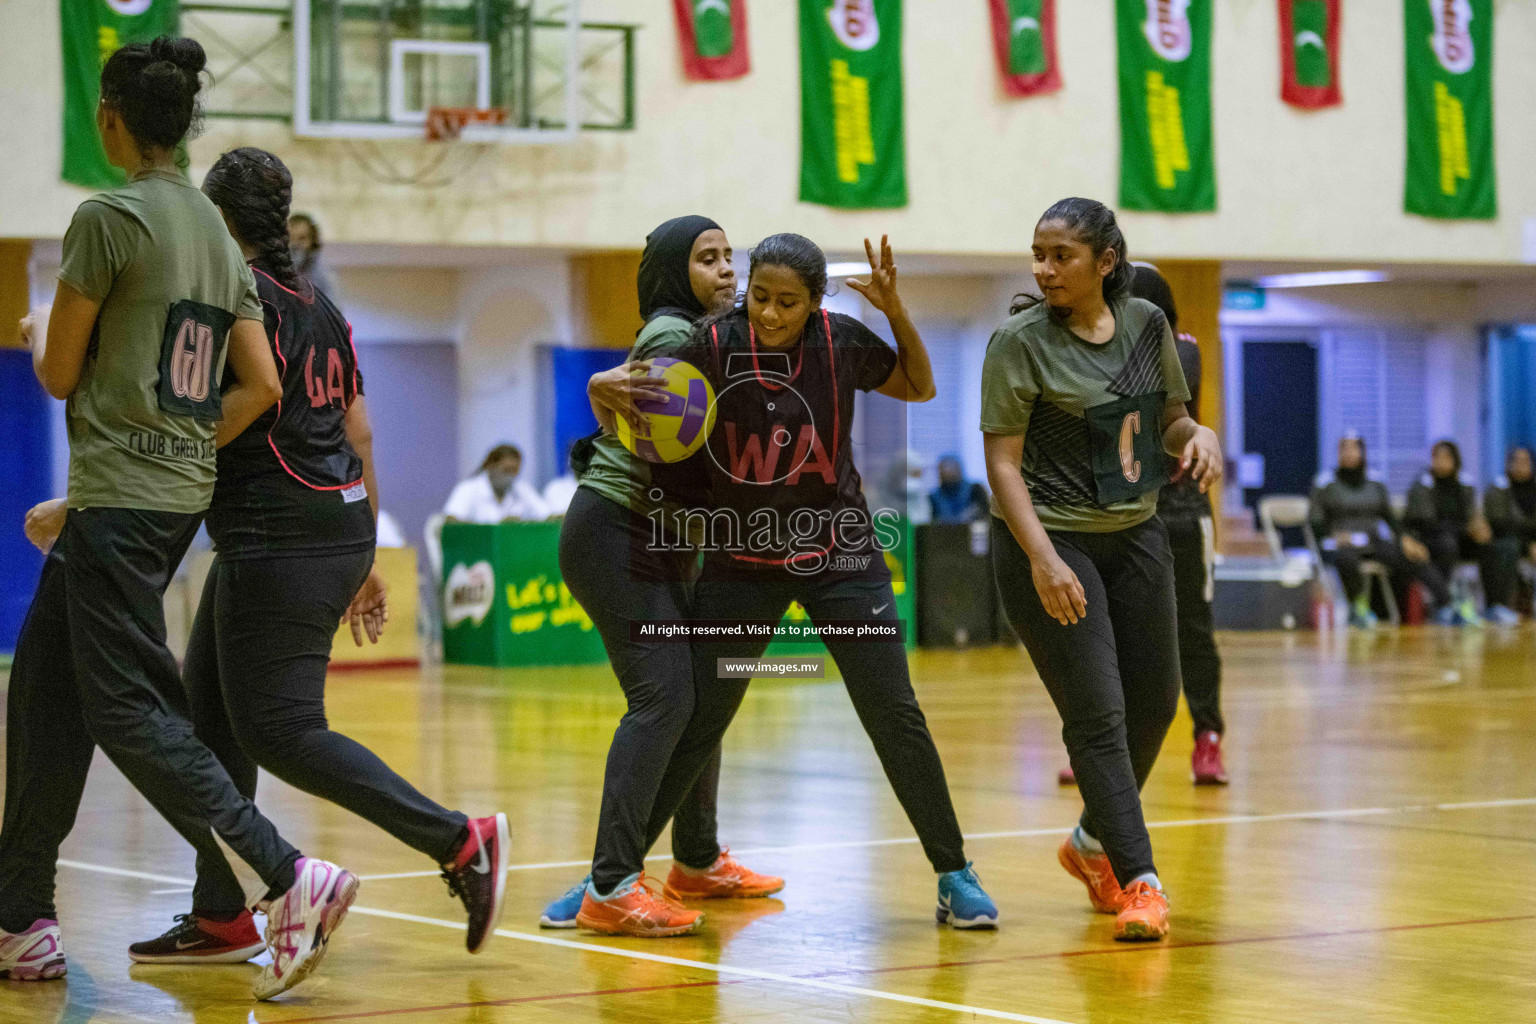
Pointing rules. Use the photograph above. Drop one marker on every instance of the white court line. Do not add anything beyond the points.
(1234, 819)
(635, 954)
(722, 969)
(828, 986)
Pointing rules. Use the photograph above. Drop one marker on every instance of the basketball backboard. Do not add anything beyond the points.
(372, 69)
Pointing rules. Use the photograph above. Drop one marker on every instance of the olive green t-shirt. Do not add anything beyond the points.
(142, 420)
(633, 482)
(1039, 379)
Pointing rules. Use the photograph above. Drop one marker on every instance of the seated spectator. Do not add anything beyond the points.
(1510, 508)
(495, 494)
(956, 499)
(1442, 516)
(304, 244)
(1352, 518)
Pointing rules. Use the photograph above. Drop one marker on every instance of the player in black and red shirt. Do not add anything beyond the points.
(292, 520)
(788, 522)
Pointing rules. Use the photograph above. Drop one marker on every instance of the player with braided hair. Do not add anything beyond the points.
(293, 519)
(137, 341)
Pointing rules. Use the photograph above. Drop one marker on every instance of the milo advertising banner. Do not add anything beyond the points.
(852, 139)
(504, 602)
(1167, 158)
(90, 32)
(1449, 55)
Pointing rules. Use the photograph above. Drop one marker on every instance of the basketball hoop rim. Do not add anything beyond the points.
(446, 124)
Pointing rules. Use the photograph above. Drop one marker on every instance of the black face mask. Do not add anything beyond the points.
(663, 282)
(1351, 477)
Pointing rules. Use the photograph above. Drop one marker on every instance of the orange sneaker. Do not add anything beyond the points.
(1143, 916)
(1093, 870)
(727, 878)
(639, 910)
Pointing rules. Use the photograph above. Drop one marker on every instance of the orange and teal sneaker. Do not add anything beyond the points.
(1094, 871)
(637, 909)
(726, 879)
(1143, 914)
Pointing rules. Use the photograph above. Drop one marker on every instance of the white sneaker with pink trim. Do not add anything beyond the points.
(36, 954)
(301, 921)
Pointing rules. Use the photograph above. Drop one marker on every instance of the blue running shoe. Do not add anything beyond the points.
(562, 912)
(963, 903)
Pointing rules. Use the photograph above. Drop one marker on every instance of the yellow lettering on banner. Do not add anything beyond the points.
(1451, 124)
(1165, 124)
(530, 593)
(528, 622)
(569, 612)
(107, 43)
(850, 122)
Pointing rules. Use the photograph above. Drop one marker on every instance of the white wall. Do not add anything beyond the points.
(498, 316)
(1314, 186)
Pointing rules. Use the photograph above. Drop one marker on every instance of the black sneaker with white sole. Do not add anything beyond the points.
(197, 940)
(478, 877)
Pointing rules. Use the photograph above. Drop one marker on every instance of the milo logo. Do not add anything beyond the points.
(1168, 30)
(130, 8)
(469, 593)
(1452, 39)
(855, 24)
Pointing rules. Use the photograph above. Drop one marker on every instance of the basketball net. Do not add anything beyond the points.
(445, 124)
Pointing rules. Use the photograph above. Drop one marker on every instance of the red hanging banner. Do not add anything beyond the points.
(1024, 37)
(712, 35)
(1309, 53)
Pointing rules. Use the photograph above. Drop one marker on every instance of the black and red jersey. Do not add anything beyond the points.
(291, 482)
(780, 455)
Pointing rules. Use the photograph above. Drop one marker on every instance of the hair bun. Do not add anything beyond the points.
(185, 54)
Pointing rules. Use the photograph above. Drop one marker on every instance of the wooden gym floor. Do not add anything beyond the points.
(1369, 862)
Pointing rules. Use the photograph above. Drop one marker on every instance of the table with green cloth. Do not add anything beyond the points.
(504, 603)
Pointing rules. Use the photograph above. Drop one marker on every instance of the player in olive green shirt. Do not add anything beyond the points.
(1082, 394)
(623, 566)
(151, 289)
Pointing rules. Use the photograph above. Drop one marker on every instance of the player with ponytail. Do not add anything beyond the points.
(1082, 394)
(293, 522)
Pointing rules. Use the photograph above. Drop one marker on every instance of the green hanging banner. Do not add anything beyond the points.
(1449, 53)
(852, 141)
(90, 32)
(1167, 161)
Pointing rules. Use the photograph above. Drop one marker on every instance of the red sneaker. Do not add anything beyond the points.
(198, 940)
(478, 877)
(1093, 870)
(726, 878)
(1206, 760)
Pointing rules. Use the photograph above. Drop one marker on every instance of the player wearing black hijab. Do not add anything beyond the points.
(615, 568)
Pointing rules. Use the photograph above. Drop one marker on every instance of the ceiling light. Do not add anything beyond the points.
(1319, 278)
(847, 269)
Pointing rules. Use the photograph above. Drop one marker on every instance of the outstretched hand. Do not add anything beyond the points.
(880, 289)
(369, 610)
